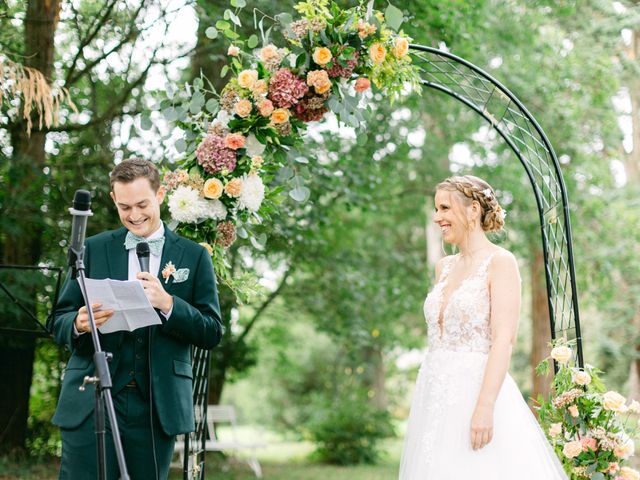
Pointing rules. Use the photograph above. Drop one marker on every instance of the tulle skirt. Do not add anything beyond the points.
(437, 444)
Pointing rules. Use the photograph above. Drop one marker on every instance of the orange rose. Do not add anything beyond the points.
(234, 141)
(322, 55)
(265, 107)
(280, 115)
(319, 80)
(208, 247)
(401, 48)
(212, 188)
(243, 108)
(247, 78)
(377, 53)
(362, 84)
(234, 187)
(233, 51)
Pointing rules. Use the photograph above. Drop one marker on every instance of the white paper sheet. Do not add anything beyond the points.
(131, 307)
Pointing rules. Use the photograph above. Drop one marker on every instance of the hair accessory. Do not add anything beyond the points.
(487, 193)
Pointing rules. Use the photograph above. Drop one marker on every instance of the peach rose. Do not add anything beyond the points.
(572, 449)
(613, 467)
(362, 84)
(626, 450)
(581, 378)
(322, 55)
(401, 47)
(265, 107)
(268, 52)
(634, 406)
(247, 78)
(280, 115)
(377, 53)
(234, 187)
(257, 161)
(589, 443)
(573, 410)
(259, 88)
(561, 354)
(555, 429)
(319, 80)
(628, 473)
(233, 51)
(234, 141)
(613, 401)
(208, 247)
(243, 108)
(212, 188)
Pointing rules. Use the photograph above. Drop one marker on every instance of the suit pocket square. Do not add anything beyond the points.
(180, 275)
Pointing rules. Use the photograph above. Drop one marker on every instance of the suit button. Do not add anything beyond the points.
(139, 340)
(132, 373)
(138, 356)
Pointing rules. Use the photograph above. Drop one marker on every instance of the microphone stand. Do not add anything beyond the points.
(102, 382)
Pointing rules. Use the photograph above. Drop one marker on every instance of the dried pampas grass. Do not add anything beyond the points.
(17, 80)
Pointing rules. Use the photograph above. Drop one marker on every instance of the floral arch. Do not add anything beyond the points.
(330, 59)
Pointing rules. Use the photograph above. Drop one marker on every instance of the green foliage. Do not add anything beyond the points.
(348, 431)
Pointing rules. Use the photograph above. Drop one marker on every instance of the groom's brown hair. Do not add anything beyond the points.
(129, 170)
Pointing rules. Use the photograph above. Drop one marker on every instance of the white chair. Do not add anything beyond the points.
(221, 414)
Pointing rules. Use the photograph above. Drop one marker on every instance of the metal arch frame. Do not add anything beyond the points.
(552, 160)
(193, 466)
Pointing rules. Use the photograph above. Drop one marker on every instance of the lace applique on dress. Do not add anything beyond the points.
(465, 324)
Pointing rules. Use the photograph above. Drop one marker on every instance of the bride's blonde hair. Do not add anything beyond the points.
(469, 188)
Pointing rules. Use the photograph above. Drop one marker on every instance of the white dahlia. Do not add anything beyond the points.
(253, 146)
(214, 209)
(252, 193)
(184, 205)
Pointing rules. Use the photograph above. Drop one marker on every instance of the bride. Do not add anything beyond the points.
(468, 419)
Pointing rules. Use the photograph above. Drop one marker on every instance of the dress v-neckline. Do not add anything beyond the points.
(445, 281)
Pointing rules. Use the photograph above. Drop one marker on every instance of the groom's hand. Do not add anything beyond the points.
(157, 295)
(100, 316)
(481, 426)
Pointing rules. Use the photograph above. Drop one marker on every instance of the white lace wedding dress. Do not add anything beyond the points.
(437, 444)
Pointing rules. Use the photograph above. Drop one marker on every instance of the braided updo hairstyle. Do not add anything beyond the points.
(470, 188)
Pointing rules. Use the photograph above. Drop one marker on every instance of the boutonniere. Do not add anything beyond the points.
(179, 275)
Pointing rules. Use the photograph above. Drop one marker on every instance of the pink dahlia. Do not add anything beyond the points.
(214, 156)
(345, 72)
(285, 89)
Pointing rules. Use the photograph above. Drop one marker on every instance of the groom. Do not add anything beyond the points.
(151, 366)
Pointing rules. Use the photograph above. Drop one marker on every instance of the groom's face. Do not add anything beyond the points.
(138, 205)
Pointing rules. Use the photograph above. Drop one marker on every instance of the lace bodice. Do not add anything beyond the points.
(465, 324)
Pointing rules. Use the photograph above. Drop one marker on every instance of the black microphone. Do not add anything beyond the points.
(143, 252)
(80, 211)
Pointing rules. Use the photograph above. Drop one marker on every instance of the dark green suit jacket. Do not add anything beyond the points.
(194, 320)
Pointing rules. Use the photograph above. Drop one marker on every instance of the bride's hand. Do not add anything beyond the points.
(481, 426)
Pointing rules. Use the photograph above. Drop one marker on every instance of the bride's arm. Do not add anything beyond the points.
(504, 281)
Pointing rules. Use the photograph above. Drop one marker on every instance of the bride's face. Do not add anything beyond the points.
(450, 216)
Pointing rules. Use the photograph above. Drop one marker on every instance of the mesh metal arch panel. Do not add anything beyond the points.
(507, 115)
(194, 442)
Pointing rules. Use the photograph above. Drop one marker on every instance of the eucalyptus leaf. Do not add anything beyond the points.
(211, 32)
(238, 3)
(394, 17)
(212, 105)
(231, 35)
(256, 244)
(181, 145)
(253, 41)
(300, 194)
(145, 122)
(241, 232)
(222, 25)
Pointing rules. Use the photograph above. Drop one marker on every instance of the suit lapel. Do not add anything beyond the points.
(171, 252)
(117, 256)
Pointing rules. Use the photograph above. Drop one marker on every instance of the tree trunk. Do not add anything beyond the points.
(632, 170)
(22, 244)
(540, 328)
(375, 376)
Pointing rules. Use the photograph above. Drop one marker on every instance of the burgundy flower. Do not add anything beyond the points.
(285, 89)
(214, 156)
